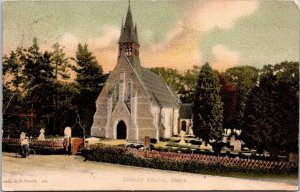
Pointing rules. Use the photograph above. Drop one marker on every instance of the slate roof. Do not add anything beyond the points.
(156, 87)
(185, 111)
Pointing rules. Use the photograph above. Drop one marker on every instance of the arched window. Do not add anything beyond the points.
(116, 90)
(128, 92)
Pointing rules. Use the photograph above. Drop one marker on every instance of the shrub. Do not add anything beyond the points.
(194, 142)
(152, 140)
(162, 139)
(124, 156)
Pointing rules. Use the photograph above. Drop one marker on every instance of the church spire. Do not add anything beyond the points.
(129, 32)
(128, 42)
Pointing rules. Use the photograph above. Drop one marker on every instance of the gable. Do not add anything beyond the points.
(145, 82)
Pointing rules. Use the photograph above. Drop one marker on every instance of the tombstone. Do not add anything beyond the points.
(224, 139)
(182, 142)
(191, 132)
(147, 142)
(232, 140)
(237, 146)
(228, 131)
(42, 135)
(207, 147)
(234, 130)
(22, 136)
(225, 131)
(238, 132)
(68, 131)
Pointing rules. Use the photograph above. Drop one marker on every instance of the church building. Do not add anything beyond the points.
(134, 101)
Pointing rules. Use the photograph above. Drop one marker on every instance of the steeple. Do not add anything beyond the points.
(128, 41)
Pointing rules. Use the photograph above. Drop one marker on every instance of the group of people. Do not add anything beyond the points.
(24, 143)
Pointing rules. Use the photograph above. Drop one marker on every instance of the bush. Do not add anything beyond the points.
(37, 149)
(122, 156)
(194, 142)
(162, 139)
(152, 140)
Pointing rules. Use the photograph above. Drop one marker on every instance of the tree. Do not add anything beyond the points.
(228, 95)
(208, 108)
(60, 71)
(189, 80)
(90, 79)
(244, 78)
(40, 81)
(271, 115)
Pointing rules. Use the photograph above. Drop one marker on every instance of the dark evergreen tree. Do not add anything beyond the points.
(271, 115)
(60, 66)
(244, 78)
(90, 79)
(228, 95)
(208, 108)
(39, 82)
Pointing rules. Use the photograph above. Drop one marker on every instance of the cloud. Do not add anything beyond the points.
(180, 48)
(110, 37)
(69, 41)
(224, 58)
(220, 13)
(297, 3)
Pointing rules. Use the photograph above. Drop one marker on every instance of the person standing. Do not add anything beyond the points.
(24, 147)
(67, 144)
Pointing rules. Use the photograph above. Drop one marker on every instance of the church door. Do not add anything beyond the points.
(183, 125)
(121, 130)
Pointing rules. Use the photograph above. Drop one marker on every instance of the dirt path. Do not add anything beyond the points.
(57, 172)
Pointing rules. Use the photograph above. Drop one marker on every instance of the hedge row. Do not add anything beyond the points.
(38, 149)
(118, 155)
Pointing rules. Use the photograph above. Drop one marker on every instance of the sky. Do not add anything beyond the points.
(172, 33)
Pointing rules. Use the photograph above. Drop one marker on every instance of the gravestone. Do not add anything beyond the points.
(147, 142)
(191, 132)
(238, 132)
(182, 142)
(237, 146)
(22, 136)
(225, 139)
(232, 140)
(42, 135)
(228, 131)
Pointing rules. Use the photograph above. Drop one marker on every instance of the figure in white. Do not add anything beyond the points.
(67, 140)
(42, 135)
(24, 144)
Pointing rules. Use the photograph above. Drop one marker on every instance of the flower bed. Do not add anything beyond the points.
(185, 162)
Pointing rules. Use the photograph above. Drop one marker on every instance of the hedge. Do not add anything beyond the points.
(124, 156)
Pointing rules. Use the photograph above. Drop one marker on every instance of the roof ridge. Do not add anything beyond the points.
(170, 91)
(141, 81)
